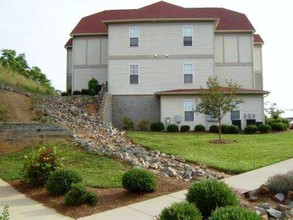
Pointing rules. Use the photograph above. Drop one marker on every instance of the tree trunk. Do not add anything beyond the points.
(220, 130)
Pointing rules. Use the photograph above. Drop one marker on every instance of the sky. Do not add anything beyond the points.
(40, 29)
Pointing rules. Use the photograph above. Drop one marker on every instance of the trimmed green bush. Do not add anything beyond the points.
(76, 92)
(85, 92)
(285, 126)
(264, 128)
(76, 196)
(157, 126)
(281, 182)
(39, 165)
(233, 129)
(184, 128)
(143, 125)
(60, 181)
(234, 213)
(127, 123)
(64, 94)
(278, 126)
(180, 211)
(250, 129)
(139, 180)
(199, 128)
(93, 87)
(286, 122)
(214, 128)
(207, 195)
(224, 129)
(91, 198)
(172, 128)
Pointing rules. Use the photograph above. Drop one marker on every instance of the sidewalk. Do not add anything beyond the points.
(148, 210)
(21, 207)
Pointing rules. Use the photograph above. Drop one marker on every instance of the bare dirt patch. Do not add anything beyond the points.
(17, 107)
(108, 198)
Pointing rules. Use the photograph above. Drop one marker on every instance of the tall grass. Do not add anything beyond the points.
(10, 78)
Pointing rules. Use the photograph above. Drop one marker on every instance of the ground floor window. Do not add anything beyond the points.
(188, 106)
(235, 113)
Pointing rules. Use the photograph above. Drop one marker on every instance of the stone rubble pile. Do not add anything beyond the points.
(103, 139)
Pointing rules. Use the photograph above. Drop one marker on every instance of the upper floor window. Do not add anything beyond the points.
(187, 35)
(133, 73)
(188, 106)
(188, 72)
(133, 36)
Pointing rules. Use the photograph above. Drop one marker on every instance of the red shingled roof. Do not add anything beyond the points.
(197, 91)
(257, 39)
(228, 20)
(69, 43)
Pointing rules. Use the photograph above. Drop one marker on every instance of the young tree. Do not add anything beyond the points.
(217, 101)
(272, 110)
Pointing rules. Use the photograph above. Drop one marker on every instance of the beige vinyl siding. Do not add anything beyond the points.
(156, 75)
(243, 75)
(82, 77)
(173, 105)
(161, 39)
(93, 51)
(233, 48)
(79, 51)
(104, 51)
(257, 58)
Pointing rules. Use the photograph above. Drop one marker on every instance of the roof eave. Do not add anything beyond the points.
(235, 31)
(89, 34)
(198, 93)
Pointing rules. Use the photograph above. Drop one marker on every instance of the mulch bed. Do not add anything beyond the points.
(108, 198)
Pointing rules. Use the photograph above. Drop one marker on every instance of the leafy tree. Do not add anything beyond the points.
(217, 101)
(272, 110)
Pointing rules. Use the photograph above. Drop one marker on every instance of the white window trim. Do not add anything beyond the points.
(192, 42)
(188, 74)
(129, 74)
(188, 111)
(138, 36)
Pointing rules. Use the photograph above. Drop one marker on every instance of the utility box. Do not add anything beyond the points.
(167, 121)
(178, 118)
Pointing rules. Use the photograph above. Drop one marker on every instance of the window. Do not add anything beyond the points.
(235, 113)
(133, 36)
(187, 35)
(188, 110)
(211, 118)
(133, 73)
(188, 72)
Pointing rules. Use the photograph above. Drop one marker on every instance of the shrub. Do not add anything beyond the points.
(76, 92)
(214, 128)
(278, 126)
(172, 128)
(234, 213)
(127, 123)
(224, 129)
(199, 128)
(233, 129)
(60, 181)
(180, 211)
(184, 128)
(84, 92)
(91, 198)
(76, 196)
(281, 182)
(143, 125)
(39, 165)
(64, 94)
(250, 129)
(93, 87)
(157, 126)
(139, 180)
(207, 195)
(264, 128)
(5, 213)
(286, 122)
(285, 126)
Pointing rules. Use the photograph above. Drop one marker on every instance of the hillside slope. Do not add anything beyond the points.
(15, 107)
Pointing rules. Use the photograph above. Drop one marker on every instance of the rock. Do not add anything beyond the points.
(290, 205)
(187, 175)
(154, 166)
(290, 195)
(282, 207)
(200, 172)
(253, 198)
(262, 211)
(274, 213)
(287, 214)
(262, 190)
(265, 206)
(279, 197)
(171, 172)
(180, 159)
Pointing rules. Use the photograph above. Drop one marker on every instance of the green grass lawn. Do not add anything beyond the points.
(248, 152)
(96, 171)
